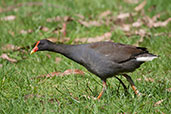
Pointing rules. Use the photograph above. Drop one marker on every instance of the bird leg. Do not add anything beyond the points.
(129, 79)
(103, 90)
(125, 88)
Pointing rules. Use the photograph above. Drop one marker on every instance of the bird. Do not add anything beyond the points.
(105, 59)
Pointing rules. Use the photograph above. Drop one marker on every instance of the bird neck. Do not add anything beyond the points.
(69, 51)
(60, 48)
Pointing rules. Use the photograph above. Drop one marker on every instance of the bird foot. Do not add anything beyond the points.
(139, 94)
(89, 97)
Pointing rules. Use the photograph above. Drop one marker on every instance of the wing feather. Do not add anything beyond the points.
(117, 52)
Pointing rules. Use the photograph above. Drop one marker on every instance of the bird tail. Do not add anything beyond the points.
(146, 57)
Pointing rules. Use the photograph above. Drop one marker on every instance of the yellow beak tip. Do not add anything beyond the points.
(32, 52)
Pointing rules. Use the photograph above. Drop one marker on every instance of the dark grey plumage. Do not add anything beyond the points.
(104, 59)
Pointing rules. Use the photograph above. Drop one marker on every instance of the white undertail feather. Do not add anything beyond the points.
(146, 58)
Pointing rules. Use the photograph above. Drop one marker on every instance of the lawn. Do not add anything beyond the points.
(23, 89)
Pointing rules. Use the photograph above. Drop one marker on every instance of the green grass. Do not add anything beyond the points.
(16, 79)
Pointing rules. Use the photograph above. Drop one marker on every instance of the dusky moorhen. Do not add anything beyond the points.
(104, 59)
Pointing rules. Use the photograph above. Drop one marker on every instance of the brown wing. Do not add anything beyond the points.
(117, 52)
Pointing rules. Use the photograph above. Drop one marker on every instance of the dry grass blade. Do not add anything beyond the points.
(45, 29)
(154, 18)
(50, 75)
(73, 71)
(163, 34)
(48, 56)
(52, 39)
(26, 31)
(5, 56)
(123, 15)
(140, 6)
(149, 79)
(137, 24)
(162, 24)
(142, 34)
(105, 37)
(90, 23)
(63, 30)
(58, 18)
(8, 47)
(1, 9)
(131, 1)
(87, 97)
(168, 89)
(11, 33)
(68, 18)
(57, 59)
(126, 27)
(8, 18)
(64, 39)
(67, 72)
(139, 79)
(105, 14)
(80, 16)
(158, 102)
(54, 19)
(122, 18)
(151, 22)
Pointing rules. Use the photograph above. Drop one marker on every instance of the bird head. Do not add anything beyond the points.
(41, 45)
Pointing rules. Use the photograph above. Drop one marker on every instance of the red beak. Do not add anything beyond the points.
(35, 48)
